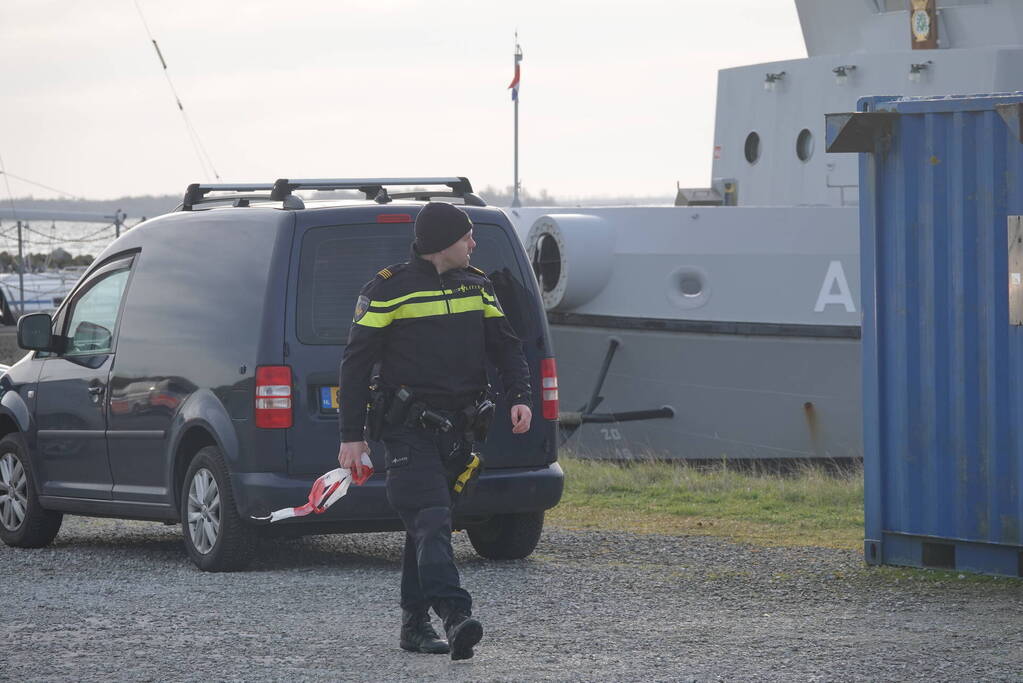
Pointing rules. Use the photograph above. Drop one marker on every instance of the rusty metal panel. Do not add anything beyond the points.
(940, 235)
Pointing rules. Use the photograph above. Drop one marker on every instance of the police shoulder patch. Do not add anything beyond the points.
(385, 273)
(361, 306)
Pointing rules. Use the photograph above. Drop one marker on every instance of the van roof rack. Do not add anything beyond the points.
(372, 188)
(196, 193)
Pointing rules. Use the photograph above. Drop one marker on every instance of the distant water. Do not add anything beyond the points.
(45, 236)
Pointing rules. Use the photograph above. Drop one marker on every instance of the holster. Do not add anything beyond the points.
(461, 429)
(399, 405)
(465, 482)
(474, 423)
(379, 401)
(479, 417)
(462, 462)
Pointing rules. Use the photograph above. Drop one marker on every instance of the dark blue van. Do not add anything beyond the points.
(140, 397)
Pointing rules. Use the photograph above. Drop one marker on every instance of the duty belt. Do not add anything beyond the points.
(469, 413)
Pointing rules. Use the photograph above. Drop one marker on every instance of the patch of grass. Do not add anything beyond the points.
(892, 574)
(809, 505)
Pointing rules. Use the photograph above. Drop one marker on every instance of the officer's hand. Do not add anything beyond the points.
(521, 416)
(351, 456)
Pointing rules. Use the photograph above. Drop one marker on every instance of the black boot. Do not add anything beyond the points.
(463, 632)
(417, 635)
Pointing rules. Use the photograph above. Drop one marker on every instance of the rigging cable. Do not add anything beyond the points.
(53, 238)
(32, 182)
(90, 237)
(14, 212)
(10, 197)
(200, 149)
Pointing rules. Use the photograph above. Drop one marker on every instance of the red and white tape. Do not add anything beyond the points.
(325, 491)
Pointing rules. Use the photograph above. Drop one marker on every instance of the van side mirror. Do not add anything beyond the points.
(34, 332)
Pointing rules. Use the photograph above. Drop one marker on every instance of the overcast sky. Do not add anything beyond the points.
(616, 97)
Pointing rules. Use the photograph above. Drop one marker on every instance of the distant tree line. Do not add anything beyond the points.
(503, 197)
(150, 206)
(58, 258)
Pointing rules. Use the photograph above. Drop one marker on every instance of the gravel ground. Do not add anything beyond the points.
(120, 600)
(117, 600)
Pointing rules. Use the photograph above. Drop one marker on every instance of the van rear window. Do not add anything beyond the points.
(337, 261)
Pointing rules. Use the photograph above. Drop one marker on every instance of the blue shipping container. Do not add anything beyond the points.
(941, 253)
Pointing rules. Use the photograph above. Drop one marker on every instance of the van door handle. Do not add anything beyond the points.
(96, 391)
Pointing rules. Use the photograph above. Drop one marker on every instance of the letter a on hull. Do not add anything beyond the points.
(835, 277)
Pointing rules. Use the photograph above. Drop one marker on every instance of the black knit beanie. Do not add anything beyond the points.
(438, 226)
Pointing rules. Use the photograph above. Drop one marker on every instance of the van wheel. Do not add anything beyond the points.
(507, 537)
(23, 521)
(216, 537)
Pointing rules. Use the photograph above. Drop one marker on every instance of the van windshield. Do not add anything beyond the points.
(337, 261)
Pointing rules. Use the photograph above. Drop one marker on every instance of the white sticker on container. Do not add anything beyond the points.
(1016, 278)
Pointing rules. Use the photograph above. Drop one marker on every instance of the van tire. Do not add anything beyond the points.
(38, 527)
(507, 537)
(234, 541)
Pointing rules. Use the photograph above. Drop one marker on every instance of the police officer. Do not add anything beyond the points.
(431, 323)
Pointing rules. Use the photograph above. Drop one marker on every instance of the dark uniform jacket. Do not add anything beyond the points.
(431, 333)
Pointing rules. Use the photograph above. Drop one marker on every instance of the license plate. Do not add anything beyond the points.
(329, 398)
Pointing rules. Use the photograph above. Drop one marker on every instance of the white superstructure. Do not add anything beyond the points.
(980, 50)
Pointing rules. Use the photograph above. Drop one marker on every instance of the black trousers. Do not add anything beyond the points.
(421, 466)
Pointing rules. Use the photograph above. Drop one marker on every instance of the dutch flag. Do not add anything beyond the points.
(515, 84)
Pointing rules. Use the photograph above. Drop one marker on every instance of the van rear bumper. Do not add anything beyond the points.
(365, 508)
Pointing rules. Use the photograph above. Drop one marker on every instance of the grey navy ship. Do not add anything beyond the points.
(728, 325)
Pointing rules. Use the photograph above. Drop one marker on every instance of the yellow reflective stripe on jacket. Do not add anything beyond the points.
(466, 304)
(420, 310)
(406, 297)
(429, 308)
(426, 309)
(373, 319)
(490, 307)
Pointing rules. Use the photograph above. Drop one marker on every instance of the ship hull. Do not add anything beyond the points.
(743, 321)
(737, 396)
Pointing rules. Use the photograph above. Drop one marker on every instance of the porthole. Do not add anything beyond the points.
(547, 262)
(752, 147)
(688, 287)
(804, 145)
(690, 284)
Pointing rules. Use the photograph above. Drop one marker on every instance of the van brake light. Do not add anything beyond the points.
(273, 397)
(394, 218)
(549, 388)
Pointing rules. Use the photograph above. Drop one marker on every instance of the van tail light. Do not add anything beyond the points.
(273, 397)
(549, 387)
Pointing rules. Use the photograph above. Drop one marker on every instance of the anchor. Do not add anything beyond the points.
(570, 421)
